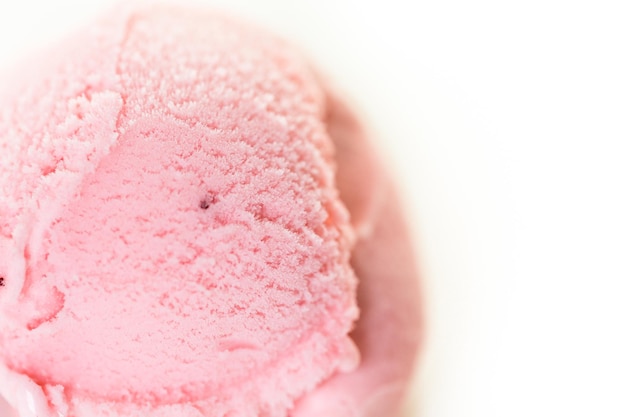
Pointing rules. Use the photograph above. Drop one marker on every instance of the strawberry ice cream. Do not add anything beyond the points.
(183, 207)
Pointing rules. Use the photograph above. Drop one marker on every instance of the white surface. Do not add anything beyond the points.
(506, 122)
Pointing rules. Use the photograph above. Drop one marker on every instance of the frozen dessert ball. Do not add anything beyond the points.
(175, 237)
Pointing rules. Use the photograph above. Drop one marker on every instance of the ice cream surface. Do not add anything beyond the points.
(172, 239)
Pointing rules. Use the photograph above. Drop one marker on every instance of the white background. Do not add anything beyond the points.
(505, 122)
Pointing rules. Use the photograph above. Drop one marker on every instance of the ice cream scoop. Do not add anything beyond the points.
(174, 240)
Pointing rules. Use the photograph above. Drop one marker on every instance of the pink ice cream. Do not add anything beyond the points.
(174, 240)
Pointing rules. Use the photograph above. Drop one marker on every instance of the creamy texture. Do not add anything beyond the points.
(172, 238)
(389, 330)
